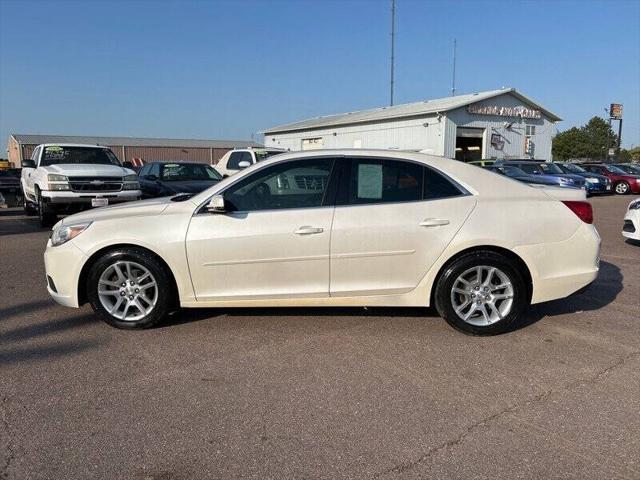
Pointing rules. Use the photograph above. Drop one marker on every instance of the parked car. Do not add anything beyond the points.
(159, 179)
(630, 168)
(631, 226)
(235, 160)
(595, 183)
(68, 177)
(332, 228)
(482, 163)
(520, 175)
(546, 171)
(622, 181)
(10, 184)
(3, 202)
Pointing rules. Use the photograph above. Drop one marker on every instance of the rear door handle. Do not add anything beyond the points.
(434, 222)
(307, 230)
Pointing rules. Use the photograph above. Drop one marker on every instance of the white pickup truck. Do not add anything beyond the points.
(240, 158)
(66, 178)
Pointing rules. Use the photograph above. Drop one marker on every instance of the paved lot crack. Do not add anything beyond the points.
(403, 467)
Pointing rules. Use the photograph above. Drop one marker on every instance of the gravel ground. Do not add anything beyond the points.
(320, 393)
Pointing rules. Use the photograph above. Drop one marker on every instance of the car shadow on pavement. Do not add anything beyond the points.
(14, 222)
(189, 315)
(48, 327)
(599, 294)
(24, 308)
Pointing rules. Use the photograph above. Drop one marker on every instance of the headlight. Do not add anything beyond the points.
(130, 178)
(52, 177)
(593, 180)
(634, 205)
(64, 233)
(58, 186)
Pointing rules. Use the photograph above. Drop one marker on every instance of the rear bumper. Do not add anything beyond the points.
(563, 268)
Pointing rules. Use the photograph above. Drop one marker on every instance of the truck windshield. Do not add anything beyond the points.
(180, 172)
(54, 155)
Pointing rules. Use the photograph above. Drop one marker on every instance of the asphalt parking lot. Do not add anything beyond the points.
(320, 393)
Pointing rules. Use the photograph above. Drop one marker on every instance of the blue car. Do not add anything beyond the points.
(595, 183)
(548, 171)
(517, 174)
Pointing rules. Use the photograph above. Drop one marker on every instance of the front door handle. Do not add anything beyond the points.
(307, 230)
(434, 222)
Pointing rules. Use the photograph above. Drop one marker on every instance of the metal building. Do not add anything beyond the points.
(20, 147)
(495, 124)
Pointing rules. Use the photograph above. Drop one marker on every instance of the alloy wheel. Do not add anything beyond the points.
(622, 188)
(482, 295)
(127, 290)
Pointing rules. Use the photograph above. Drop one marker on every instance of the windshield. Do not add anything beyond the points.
(635, 169)
(550, 168)
(573, 168)
(617, 170)
(54, 155)
(264, 154)
(180, 172)
(512, 171)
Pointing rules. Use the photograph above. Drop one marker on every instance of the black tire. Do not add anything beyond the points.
(29, 208)
(47, 217)
(449, 277)
(622, 188)
(166, 295)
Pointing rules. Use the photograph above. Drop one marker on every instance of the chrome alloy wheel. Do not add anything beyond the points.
(127, 290)
(482, 295)
(622, 188)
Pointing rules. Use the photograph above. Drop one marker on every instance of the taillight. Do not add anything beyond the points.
(582, 209)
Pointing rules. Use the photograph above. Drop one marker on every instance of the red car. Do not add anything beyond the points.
(622, 181)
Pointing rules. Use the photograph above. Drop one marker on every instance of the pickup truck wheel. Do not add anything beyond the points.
(29, 208)
(130, 289)
(47, 217)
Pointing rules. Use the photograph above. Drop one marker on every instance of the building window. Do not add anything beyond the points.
(530, 130)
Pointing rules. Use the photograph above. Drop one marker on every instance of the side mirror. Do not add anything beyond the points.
(244, 164)
(127, 164)
(151, 178)
(28, 164)
(216, 204)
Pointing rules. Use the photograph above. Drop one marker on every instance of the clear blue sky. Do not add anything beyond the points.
(229, 69)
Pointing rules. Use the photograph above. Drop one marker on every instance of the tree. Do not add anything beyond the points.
(634, 154)
(592, 140)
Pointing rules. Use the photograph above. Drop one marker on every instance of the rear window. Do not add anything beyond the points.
(54, 155)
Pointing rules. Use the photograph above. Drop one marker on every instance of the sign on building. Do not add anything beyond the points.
(615, 111)
(521, 112)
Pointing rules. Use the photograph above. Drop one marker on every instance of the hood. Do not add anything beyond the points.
(602, 178)
(89, 170)
(539, 179)
(188, 186)
(579, 179)
(153, 206)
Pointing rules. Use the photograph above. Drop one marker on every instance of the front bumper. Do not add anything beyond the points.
(631, 226)
(67, 197)
(63, 265)
(599, 187)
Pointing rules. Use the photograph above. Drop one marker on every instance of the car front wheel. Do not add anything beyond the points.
(481, 293)
(130, 289)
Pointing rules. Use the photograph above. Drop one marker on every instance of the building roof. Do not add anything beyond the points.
(132, 141)
(425, 107)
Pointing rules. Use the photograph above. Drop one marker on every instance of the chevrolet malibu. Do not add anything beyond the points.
(332, 228)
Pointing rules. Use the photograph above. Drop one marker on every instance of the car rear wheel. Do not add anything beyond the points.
(481, 293)
(622, 188)
(130, 289)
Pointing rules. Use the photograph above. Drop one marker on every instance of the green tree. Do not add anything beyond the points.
(634, 154)
(592, 140)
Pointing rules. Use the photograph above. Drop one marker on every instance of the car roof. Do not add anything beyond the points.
(71, 145)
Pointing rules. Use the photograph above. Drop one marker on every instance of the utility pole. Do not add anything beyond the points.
(393, 44)
(453, 76)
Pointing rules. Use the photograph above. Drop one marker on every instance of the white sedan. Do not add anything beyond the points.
(631, 226)
(331, 228)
